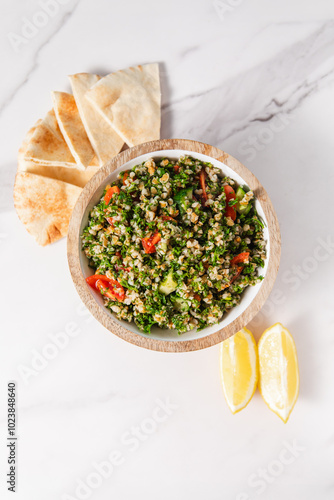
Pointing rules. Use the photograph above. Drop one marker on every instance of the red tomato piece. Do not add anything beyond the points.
(147, 247)
(240, 258)
(110, 287)
(149, 243)
(230, 195)
(230, 212)
(167, 217)
(203, 187)
(91, 280)
(109, 194)
(125, 176)
(155, 238)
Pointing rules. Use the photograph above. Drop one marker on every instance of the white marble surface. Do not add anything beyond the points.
(255, 78)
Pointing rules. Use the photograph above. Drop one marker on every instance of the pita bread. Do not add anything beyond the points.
(47, 144)
(130, 101)
(70, 175)
(44, 205)
(105, 141)
(72, 128)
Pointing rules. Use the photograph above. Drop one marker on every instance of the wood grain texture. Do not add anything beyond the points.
(74, 245)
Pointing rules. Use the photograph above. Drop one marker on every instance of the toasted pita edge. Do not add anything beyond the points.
(72, 128)
(70, 175)
(47, 136)
(103, 137)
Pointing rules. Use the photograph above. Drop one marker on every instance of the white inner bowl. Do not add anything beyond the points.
(159, 333)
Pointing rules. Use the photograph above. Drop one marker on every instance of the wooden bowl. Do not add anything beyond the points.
(165, 340)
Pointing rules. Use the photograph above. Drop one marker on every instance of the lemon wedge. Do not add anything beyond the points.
(279, 374)
(238, 369)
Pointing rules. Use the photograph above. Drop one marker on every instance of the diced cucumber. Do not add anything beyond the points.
(242, 209)
(180, 305)
(168, 285)
(182, 196)
(240, 193)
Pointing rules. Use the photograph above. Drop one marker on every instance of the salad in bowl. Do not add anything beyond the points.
(174, 243)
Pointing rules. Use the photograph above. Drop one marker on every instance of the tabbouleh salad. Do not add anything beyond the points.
(174, 243)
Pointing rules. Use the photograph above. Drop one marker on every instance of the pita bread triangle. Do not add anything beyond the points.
(70, 175)
(47, 144)
(44, 205)
(72, 128)
(130, 101)
(105, 141)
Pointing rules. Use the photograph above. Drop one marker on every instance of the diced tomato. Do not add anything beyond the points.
(109, 194)
(230, 195)
(147, 247)
(167, 217)
(202, 183)
(197, 297)
(240, 259)
(110, 287)
(110, 220)
(176, 167)
(149, 243)
(230, 212)
(91, 280)
(125, 176)
(155, 238)
(229, 192)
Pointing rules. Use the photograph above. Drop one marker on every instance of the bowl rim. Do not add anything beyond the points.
(73, 246)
